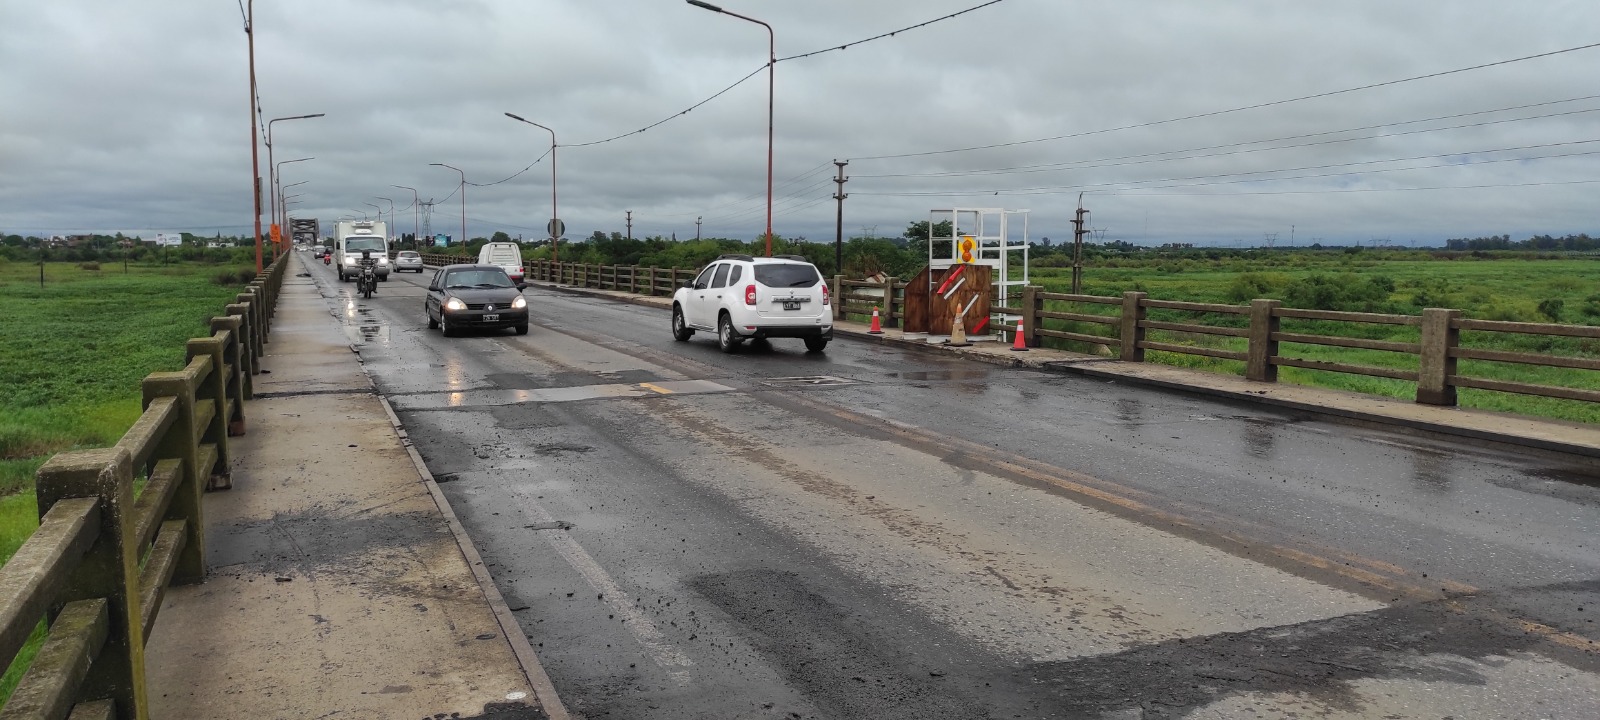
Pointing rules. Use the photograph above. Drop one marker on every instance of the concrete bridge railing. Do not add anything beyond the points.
(98, 565)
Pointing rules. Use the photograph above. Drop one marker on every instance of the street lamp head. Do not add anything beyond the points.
(706, 5)
(515, 117)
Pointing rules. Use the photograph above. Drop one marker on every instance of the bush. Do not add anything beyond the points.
(1345, 292)
(1551, 308)
(93, 266)
(1249, 286)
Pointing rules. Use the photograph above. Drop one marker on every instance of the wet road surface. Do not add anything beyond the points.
(883, 532)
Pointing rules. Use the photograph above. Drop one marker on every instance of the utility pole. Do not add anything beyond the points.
(630, 225)
(838, 228)
(1077, 248)
(697, 226)
(1291, 236)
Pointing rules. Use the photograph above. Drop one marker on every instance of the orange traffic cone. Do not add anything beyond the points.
(1018, 343)
(958, 333)
(876, 329)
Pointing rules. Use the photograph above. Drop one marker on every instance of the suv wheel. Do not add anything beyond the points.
(680, 330)
(727, 340)
(816, 344)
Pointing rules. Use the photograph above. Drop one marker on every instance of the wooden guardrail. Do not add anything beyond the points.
(98, 565)
(1127, 324)
(1437, 350)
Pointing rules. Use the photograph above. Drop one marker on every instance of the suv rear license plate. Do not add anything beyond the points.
(490, 318)
(791, 306)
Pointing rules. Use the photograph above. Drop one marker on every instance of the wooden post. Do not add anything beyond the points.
(652, 290)
(110, 570)
(838, 297)
(890, 319)
(1030, 315)
(233, 357)
(1263, 325)
(1130, 340)
(1437, 364)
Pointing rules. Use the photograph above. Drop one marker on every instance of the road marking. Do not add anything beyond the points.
(644, 630)
(655, 387)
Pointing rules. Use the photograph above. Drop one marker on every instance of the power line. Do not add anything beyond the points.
(891, 33)
(1082, 164)
(763, 66)
(1132, 193)
(513, 175)
(1215, 113)
(1058, 189)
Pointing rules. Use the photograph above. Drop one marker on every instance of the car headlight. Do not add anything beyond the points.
(383, 261)
(519, 303)
(454, 304)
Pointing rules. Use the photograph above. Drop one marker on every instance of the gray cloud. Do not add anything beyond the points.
(132, 116)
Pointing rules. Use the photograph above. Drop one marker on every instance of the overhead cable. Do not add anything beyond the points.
(1215, 113)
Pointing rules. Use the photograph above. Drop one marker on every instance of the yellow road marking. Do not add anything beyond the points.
(655, 387)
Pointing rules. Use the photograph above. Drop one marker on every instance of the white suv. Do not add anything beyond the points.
(742, 297)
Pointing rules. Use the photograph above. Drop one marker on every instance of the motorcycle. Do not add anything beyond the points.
(367, 282)
(327, 259)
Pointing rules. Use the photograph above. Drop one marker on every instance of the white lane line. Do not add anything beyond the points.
(644, 630)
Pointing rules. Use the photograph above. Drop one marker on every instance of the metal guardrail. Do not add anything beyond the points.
(99, 564)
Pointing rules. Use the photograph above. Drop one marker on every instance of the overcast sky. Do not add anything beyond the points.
(133, 116)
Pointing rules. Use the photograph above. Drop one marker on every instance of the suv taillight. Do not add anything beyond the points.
(825, 294)
(749, 294)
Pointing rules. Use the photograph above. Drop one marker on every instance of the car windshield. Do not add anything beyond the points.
(408, 254)
(357, 244)
(478, 279)
(786, 275)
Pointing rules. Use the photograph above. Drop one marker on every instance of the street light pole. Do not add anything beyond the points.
(391, 217)
(283, 210)
(277, 171)
(772, 61)
(463, 198)
(272, 179)
(415, 201)
(555, 240)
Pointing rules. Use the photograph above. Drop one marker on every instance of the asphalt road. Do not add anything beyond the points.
(899, 534)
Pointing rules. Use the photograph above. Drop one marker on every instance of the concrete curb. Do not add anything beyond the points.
(1087, 366)
(543, 690)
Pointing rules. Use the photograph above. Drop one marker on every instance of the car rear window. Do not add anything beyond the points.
(786, 275)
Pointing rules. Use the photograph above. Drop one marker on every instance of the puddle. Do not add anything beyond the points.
(367, 333)
(1573, 476)
(941, 375)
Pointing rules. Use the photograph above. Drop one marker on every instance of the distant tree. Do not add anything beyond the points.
(500, 236)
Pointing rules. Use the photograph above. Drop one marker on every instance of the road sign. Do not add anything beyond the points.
(556, 228)
(277, 236)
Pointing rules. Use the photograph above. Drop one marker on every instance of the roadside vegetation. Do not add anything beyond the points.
(74, 352)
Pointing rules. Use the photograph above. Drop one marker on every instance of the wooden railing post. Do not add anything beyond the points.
(1437, 364)
(179, 442)
(1130, 339)
(1263, 325)
(110, 570)
(1030, 315)
(233, 355)
(652, 281)
(838, 297)
(891, 319)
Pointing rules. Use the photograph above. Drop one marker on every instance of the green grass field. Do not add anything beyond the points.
(73, 354)
(1562, 289)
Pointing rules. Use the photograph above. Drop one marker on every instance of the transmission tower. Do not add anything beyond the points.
(427, 221)
(1271, 239)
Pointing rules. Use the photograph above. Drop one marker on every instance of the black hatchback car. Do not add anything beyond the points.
(475, 296)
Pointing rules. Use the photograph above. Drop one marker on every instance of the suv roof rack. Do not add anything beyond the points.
(736, 256)
(801, 258)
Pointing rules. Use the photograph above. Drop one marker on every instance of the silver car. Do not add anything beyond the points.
(408, 260)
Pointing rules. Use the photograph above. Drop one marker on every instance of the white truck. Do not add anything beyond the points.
(350, 237)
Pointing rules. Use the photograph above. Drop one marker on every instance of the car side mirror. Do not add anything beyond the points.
(434, 287)
(522, 286)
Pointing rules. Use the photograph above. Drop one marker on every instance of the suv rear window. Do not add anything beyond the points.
(780, 275)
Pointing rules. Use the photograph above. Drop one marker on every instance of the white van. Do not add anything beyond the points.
(507, 255)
